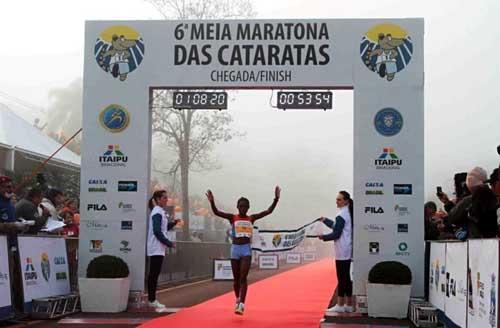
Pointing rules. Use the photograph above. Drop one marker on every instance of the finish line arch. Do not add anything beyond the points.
(380, 59)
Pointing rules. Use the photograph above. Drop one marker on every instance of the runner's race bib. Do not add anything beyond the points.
(243, 229)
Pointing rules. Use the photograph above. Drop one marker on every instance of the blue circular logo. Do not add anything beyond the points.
(388, 122)
(114, 118)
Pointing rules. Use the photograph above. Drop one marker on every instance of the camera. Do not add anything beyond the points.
(498, 149)
(439, 191)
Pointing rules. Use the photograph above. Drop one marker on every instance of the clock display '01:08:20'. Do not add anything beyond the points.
(199, 100)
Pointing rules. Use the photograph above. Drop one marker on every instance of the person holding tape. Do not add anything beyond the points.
(342, 235)
(241, 248)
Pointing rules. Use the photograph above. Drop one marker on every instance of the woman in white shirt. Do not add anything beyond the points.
(342, 235)
(157, 242)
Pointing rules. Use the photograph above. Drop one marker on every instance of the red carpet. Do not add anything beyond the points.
(296, 298)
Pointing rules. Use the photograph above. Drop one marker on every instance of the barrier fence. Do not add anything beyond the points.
(463, 281)
(43, 266)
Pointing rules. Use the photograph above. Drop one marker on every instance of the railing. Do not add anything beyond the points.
(191, 260)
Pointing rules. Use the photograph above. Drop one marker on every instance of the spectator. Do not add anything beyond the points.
(494, 182)
(53, 199)
(7, 210)
(30, 208)
(9, 226)
(458, 215)
(482, 213)
(431, 230)
(70, 229)
(71, 207)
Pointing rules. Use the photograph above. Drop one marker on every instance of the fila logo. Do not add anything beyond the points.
(374, 210)
(96, 207)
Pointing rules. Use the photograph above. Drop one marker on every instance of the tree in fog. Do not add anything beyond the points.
(192, 135)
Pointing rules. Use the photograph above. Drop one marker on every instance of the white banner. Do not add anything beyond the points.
(483, 283)
(44, 267)
(283, 240)
(437, 275)
(456, 283)
(293, 258)
(222, 270)
(5, 301)
(268, 262)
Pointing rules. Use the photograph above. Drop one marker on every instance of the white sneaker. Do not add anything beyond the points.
(156, 305)
(348, 309)
(337, 308)
(240, 308)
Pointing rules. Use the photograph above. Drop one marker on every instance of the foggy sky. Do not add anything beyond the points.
(42, 49)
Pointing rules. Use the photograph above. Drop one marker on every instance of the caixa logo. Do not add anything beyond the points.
(388, 160)
(374, 188)
(374, 210)
(96, 207)
(113, 157)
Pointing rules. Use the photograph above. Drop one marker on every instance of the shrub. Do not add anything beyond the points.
(390, 273)
(107, 266)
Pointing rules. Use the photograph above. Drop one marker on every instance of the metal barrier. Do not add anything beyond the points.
(191, 260)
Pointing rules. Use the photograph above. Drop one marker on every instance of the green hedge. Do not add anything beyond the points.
(391, 273)
(107, 266)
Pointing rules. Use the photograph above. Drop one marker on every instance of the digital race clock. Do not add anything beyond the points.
(305, 100)
(200, 100)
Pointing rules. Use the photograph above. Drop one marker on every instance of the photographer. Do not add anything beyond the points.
(30, 208)
(467, 215)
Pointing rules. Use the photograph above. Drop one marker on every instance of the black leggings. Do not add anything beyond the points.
(344, 277)
(155, 263)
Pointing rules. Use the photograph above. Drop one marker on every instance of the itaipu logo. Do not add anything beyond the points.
(114, 118)
(30, 275)
(119, 50)
(388, 122)
(388, 160)
(113, 157)
(386, 49)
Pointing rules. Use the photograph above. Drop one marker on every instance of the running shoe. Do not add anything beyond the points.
(337, 308)
(240, 308)
(348, 309)
(156, 305)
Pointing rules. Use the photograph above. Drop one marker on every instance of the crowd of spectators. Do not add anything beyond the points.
(31, 213)
(473, 213)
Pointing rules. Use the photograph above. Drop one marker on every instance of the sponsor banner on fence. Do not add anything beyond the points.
(222, 269)
(456, 283)
(293, 258)
(5, 302)
(284, 240)
(268, 261)
(44, 267)
(437, 275)
(482, 273)
(309, 256)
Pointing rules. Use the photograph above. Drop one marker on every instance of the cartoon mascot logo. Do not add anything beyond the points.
(45, 266)
(276, 240)
(119, 50)
(386, 49)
